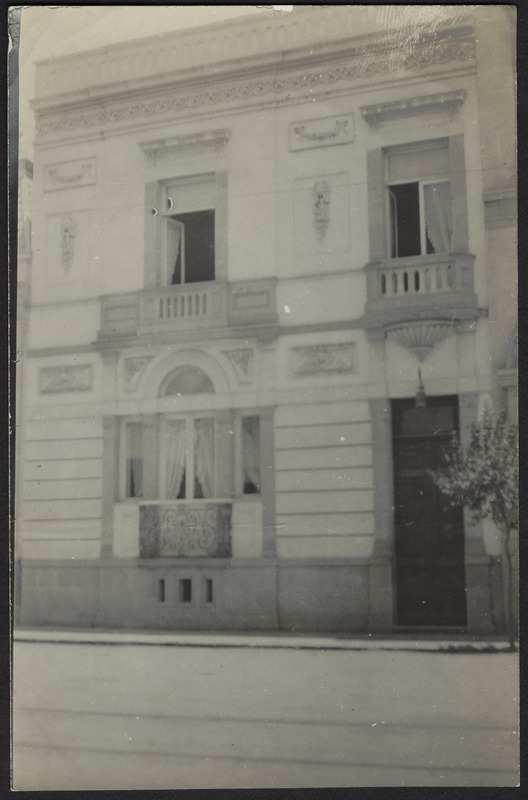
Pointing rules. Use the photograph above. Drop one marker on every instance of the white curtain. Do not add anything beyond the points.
(251, 454)
(176, 450)
(174, 243)
(204, 457)
(134, 458)
(438, 217)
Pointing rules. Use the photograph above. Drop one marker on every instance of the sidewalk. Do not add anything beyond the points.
(277, 640)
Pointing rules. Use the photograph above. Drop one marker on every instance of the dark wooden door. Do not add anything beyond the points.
(429, 534)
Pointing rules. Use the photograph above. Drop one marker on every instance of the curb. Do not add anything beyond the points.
(255, 641)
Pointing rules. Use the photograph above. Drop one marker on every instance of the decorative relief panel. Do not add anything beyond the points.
(185, 530)
(68, 226)
(69, 174)
(321, 214)
(242, 361)
(321, 132)
(323, 359)
(68, 247)
(133, 369)
(321, 192)
(54, 380)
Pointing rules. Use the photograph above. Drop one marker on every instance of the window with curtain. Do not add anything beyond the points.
(251, 455)
(134, 460)
(419, 201)
(189, 458)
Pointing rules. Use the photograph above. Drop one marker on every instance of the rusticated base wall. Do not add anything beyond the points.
(234, 594)
(227, 594)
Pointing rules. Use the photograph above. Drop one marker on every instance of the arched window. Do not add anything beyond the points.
(187, 380)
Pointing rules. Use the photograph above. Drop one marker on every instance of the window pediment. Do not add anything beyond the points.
(157, 149)
(379, 113)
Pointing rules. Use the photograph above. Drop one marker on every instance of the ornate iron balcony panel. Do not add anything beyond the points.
(185, 530)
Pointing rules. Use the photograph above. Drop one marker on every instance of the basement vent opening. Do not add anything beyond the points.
(185, 590)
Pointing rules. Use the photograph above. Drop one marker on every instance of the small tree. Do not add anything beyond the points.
(484, 476)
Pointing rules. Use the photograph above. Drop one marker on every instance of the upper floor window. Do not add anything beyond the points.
(189, 215)
(419, 200)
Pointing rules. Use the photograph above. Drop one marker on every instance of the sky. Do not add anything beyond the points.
(48, 31)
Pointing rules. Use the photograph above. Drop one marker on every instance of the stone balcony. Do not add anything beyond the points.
(188, 308)
(180, 529)
(430, 293)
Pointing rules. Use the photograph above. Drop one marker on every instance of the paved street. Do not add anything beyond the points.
(137, 717)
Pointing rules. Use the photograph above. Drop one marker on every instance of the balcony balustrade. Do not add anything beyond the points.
(192, 529)
(190, 307)
(433, 287)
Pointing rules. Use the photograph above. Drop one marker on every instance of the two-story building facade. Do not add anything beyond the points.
(273, 268)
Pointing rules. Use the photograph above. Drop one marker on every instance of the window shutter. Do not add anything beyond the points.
(193, 194)
(421, 163)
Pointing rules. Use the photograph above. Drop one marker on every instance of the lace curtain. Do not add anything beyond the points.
(176, 451)
(251, 454)
(203, 458)
(174, 248)
(134, 459)
(438, 217)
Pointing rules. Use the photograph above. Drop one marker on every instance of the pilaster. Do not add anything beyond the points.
(110, 482)
(267, 478)
(225, 453)
(381, 600)
(151, 449)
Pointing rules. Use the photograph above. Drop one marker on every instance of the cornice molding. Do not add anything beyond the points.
(379, 113)
(379, 60)
(245, 39)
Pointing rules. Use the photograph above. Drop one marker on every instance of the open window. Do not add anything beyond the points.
(419, 200)
(189, 217)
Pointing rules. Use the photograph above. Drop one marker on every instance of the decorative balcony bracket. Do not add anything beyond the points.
(419, 301)
(420, 337)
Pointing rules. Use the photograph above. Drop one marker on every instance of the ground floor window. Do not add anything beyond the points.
(191, 451)
(189, 458)
(134, 459)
